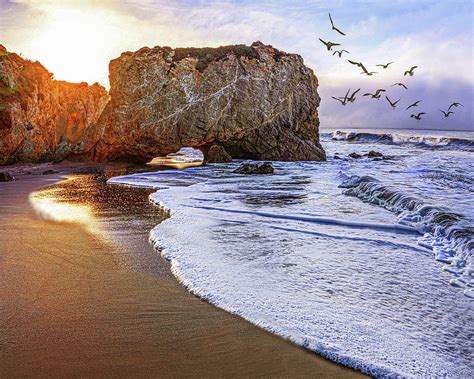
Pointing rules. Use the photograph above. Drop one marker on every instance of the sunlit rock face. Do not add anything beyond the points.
(255, 101)
(42, 119)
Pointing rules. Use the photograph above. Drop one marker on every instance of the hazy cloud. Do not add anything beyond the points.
(437, 36)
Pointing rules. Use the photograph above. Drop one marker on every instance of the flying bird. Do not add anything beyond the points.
(340, 52)
(375, 95)
(359, 64)
(418, 116)
(415, 104)
(394, 104)
(333, 27)
(352, 98)
(329, 44)
(446, 114)
(410, 71)
(384, 66)
(343, 100)
(455, 105)
(400, 85)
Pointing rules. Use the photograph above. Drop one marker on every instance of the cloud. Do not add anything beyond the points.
(407, 32)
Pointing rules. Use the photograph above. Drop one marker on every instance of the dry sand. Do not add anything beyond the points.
(74, 303)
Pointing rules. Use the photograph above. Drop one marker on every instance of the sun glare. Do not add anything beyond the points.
(75, 44)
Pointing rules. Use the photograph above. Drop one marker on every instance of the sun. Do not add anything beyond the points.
(76, 44)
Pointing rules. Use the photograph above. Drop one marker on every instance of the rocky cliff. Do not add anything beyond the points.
(42, 119)
(255, 101)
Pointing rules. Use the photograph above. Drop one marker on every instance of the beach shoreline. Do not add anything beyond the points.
(100, 301)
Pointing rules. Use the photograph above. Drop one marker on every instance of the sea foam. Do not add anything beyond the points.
(354, 281)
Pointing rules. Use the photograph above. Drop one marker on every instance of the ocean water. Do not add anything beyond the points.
(367, 261)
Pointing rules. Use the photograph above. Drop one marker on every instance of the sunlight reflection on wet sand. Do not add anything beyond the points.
(48, 205)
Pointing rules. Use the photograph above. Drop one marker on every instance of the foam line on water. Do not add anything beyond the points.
(320, 220)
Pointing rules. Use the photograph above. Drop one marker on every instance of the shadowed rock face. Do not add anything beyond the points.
(42, 119)
(255, 101)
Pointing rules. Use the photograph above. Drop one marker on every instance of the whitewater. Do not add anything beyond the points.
(366, 261)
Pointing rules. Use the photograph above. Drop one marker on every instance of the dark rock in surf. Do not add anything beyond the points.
(50, 172)
(253, 168)
(6, 177)
(355, 155)
(374, 154)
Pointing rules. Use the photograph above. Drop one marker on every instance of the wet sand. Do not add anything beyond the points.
(85, 295)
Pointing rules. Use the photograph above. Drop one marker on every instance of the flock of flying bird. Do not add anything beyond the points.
(378, 93)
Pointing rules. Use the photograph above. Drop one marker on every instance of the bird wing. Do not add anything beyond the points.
(347, 94)
(363, 68)
(353, 93)
(335, 98)
(411, 105)
(337, 30)
(403, 85)
(330, 19)
(352, 62)
(334, 44)
(389, 101)
(411, 69)
(323, 42)
(367, 94)
(380, 65)
(419, 114)
(335, 52)
(396, 102)
(345, 51)
(455, 105)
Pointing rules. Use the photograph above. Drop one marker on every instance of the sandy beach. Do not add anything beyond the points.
(85, 295)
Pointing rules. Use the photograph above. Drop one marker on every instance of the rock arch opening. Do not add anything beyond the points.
(183, 158)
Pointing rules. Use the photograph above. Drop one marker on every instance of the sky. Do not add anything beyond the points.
(76, 39)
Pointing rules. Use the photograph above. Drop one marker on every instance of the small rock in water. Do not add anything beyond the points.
(255, 168)
(50, 172)
(337, 156)
(6, 177)
(374, 154)
(355, 155)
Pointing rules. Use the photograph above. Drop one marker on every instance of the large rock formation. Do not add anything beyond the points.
(255, 101)
(252, 102)
(42, 119)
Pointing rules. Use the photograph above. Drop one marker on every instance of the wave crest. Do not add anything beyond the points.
(433, 142)
(446, 233)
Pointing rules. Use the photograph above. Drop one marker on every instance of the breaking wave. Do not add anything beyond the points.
(426, 141)
(446, 233)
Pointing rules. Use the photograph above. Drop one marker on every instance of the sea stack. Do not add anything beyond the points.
(255, 102)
